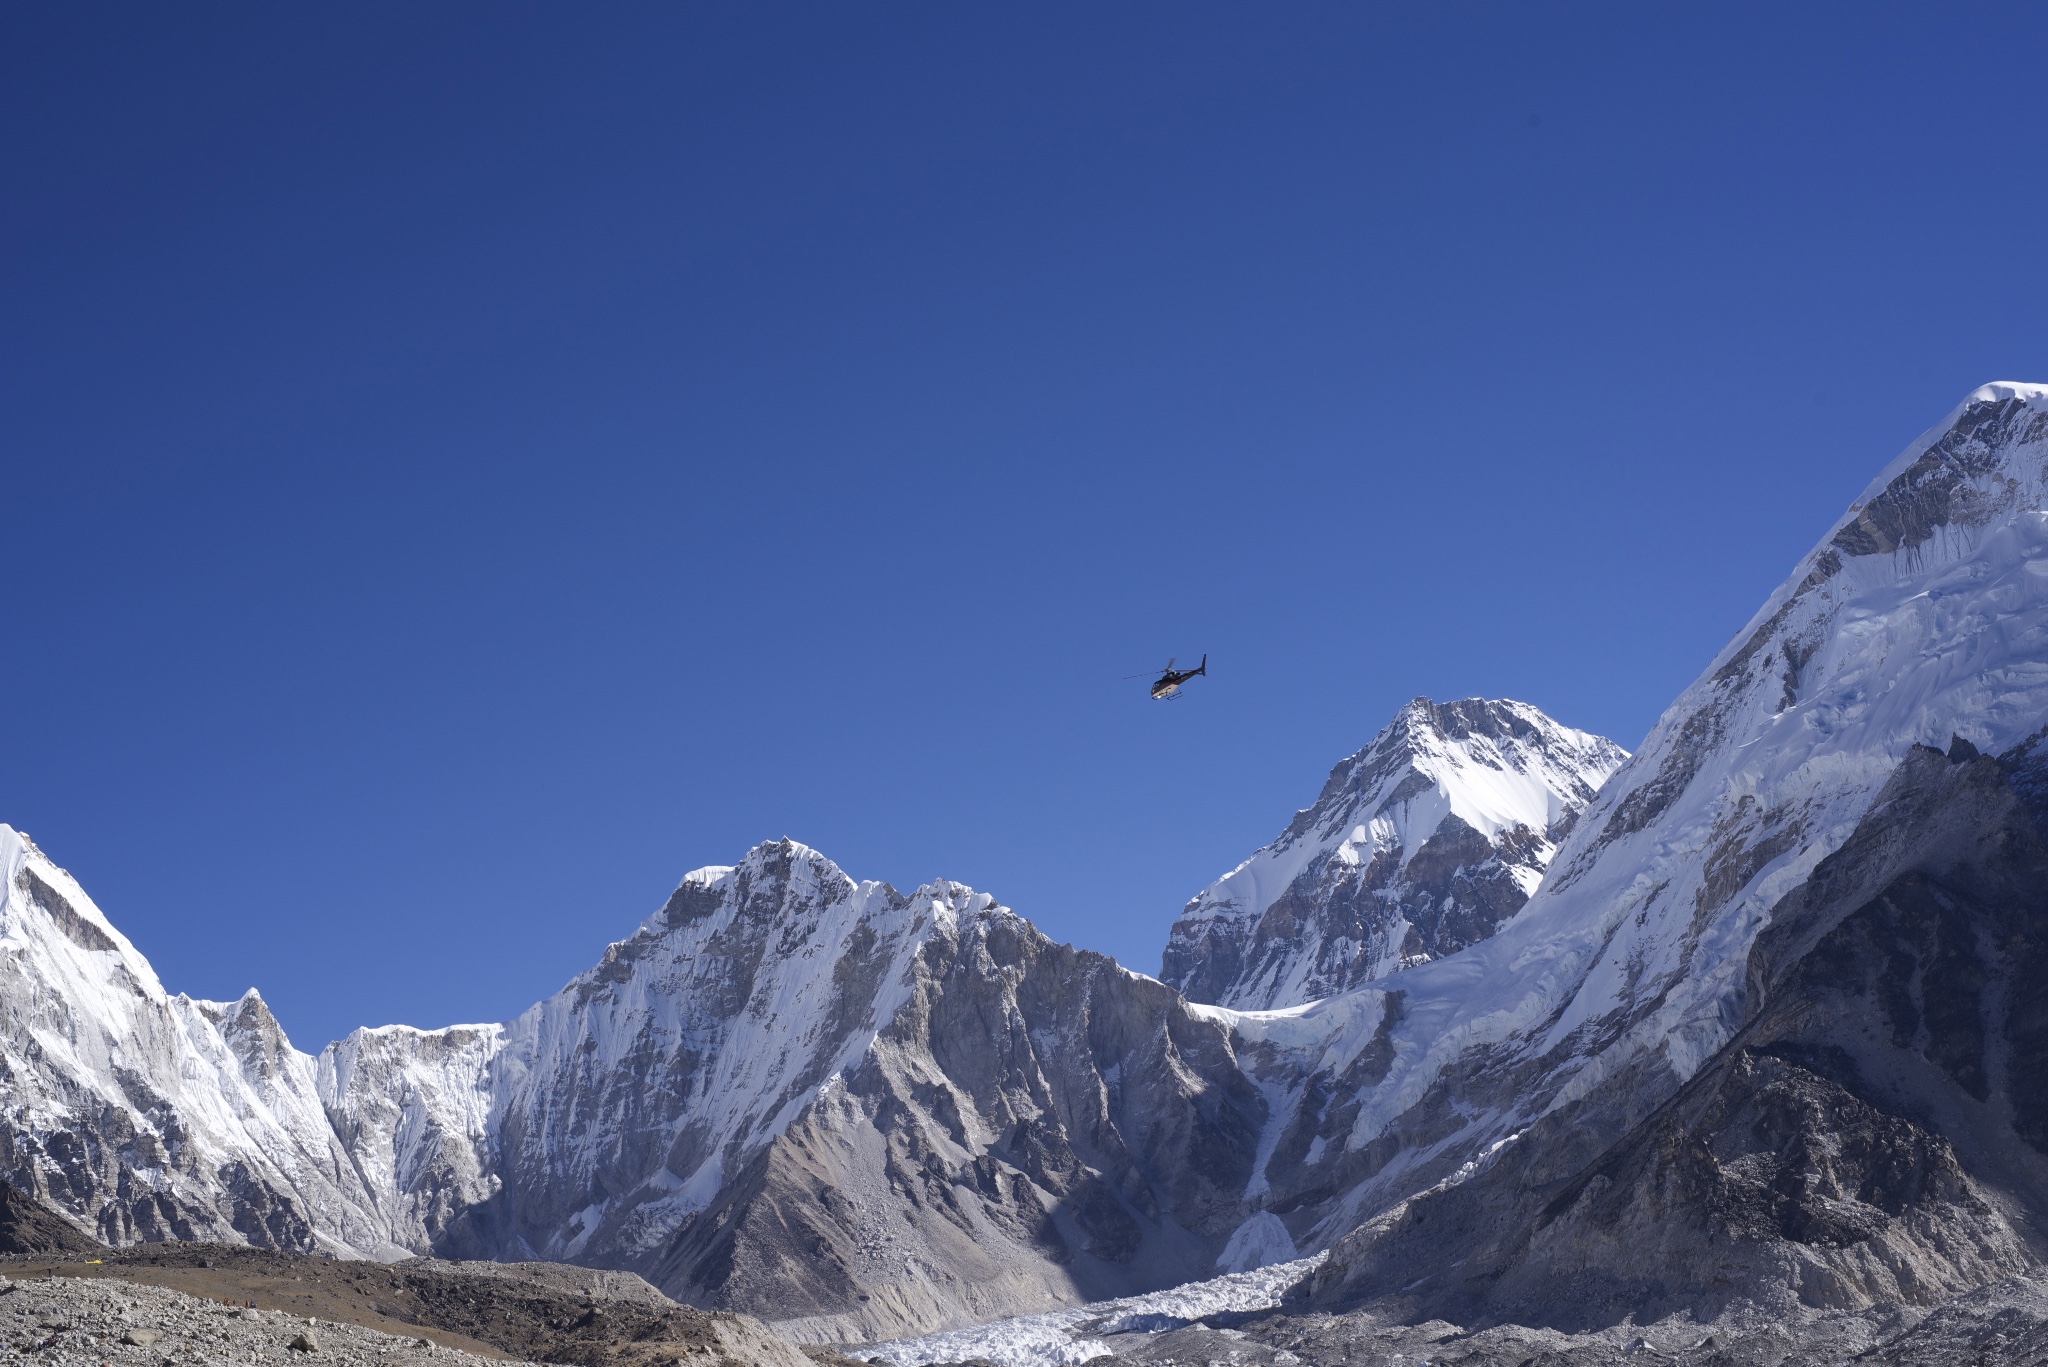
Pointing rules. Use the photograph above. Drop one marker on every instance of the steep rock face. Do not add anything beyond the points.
(1422, 843)
(1035, 1127)
(147, 1116)
(1661, 1016)
(413, 1109)
(625, 1103)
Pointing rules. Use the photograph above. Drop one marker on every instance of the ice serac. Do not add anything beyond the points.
(142, 1115)
(1771, 1027)
(1422, 843)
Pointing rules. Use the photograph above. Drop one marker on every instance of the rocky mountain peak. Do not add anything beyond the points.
(1467, 717)
(775, 877)
(1423, 842)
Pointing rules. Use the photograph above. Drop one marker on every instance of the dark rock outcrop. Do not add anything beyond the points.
(29, 1229)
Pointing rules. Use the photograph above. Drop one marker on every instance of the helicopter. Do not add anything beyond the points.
(1170, 679)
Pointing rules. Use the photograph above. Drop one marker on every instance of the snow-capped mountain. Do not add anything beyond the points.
(601, 1117)
(1774, 1020)
(823, 1100)
(149, 1116)
(828, 1102)
(1422, 843)
(1770, 1028)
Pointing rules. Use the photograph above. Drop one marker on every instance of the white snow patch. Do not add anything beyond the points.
(1259, 1242)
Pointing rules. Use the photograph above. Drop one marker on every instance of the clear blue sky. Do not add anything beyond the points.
(466, 465)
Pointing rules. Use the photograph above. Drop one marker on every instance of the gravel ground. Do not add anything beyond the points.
(76, 1322)
(541, 1312)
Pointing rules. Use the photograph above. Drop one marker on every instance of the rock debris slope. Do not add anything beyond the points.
(81, 1322)
(1422, 843)
(546, 1312)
